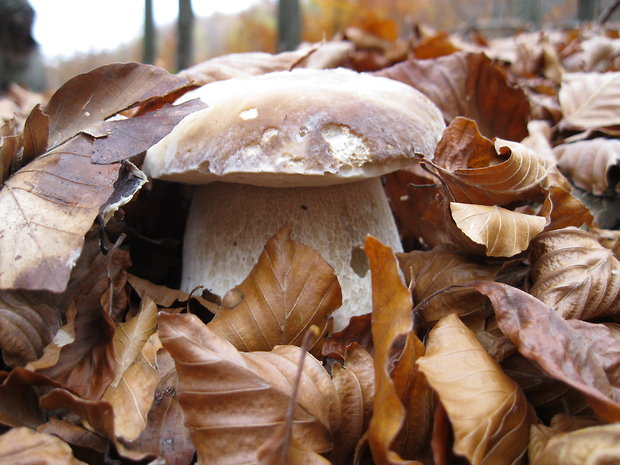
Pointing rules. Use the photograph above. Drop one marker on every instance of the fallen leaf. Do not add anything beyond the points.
(596, 445)
(28, 323)
(243, 64)
(24, 446)
(489, 414)
(391, 321)
(19, 406)
(588, 163)
(233, 401)
(289, 289)
(75, 435)
(470, 85)
(478, 171)
(437, 277)
(574, 274)
(35, 136)
(563, 352)
(562, 210)
(502, 232)
(590, 100)
(10, 148)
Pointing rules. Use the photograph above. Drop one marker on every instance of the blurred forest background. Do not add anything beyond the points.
(271, 25)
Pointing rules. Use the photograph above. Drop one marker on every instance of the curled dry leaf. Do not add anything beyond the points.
(49, 205)
(469, 84)
(490, 415)
(590, 100)
(391, 321)
(289, 289)
(588, 163)
(24, 446)
(594, 445)
(439, 275)
(562, 209)
(502, 232)
(478, 171)
(561, 350)
(574, 274)
(233, 401)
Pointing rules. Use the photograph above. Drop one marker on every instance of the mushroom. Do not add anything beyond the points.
(304, 148)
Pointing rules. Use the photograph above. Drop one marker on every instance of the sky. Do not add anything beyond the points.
(65, 27)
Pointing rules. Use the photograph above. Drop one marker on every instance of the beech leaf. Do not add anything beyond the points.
(24, 446)
(561, 350)
(391, 321)
(233, 401)
(502, 232)
(590, 100)
(588, 163)
(470, 85)
(488, 411)
(575, 275)
(289, 289)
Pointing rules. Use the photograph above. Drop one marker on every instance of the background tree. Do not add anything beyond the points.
(289, 24)
(185, 35)
(148, 44)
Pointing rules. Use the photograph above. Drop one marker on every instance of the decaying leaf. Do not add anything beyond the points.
(469, 84)
(588, 163)
(574, 274)
(391, 321)
(289, 289)
(24, 446)
(233, 401)
(438, 275)
(478, 171)
(489, 413)
(502, 232)
(590, 100)
(594, 445)
(562, 351)
(49, 205)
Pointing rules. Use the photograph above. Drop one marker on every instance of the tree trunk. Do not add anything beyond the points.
(289, 25)
(148, 44)
(185, 34)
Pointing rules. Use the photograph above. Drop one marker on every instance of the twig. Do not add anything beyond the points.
(607, 13)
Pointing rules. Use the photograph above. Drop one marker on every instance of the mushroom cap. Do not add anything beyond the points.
(304, 127)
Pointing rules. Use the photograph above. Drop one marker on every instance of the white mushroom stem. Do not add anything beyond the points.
(229, 224)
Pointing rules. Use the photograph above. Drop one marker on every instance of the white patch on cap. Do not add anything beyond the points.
(345, 145)
(250, 113)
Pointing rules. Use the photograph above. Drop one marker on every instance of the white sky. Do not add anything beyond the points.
(65, 27)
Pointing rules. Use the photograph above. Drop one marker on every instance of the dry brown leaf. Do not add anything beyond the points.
(488, 411)
(502, 232)
(594, 445)
(561, 350)
(439, 275)
(470, 85)
(562, 209)
(165, 434)
(391, 321)
(75, 435)
(50, 204)
(351, 399)
(478, 171)
(588, 163)
(243, 64)
(289, 289)
(590, 100)
(574, 274)
(28, 322)
(233, 401)
(19, 406)
(23, 446)
(11, 146)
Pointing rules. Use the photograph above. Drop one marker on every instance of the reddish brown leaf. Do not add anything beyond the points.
(562, 351)
(469, 84)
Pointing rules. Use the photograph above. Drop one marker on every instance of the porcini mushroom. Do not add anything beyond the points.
(305, 148)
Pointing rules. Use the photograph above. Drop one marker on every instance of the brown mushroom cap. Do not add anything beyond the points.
(298, 128)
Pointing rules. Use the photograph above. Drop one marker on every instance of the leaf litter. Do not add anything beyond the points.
(493, 337)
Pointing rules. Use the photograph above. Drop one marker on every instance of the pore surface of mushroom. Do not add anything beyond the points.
(305, 148)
